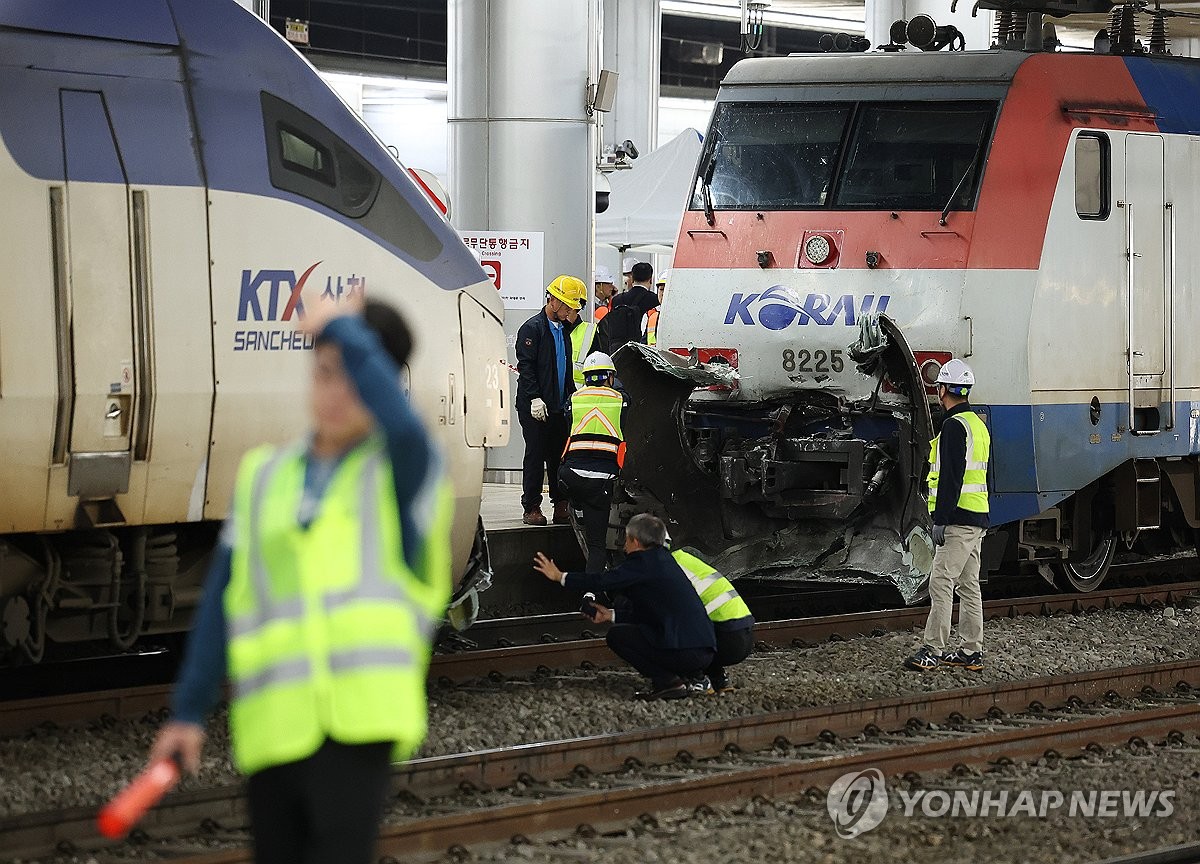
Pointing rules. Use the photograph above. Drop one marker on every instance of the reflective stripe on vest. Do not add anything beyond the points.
(652, 326)
(330, 631)
(581, 347)
(721, 600)
(596, 421)
(974, 494)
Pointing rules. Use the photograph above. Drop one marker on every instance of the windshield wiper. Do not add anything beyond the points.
(970, 168)
(706, 176)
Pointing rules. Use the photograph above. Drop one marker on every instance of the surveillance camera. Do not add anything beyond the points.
(627, 148)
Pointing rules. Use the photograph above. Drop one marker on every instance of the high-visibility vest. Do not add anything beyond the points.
(974, 495)
(582, 338)
(721, 600)
(601, 311)
(330, 631)
(652, 326)
(596, 422)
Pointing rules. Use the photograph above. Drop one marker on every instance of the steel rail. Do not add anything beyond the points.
(1186, 853)
(18, 716)
(555, 760)
(794, 631)
(573, 810)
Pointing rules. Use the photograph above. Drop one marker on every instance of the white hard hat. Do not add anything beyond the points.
(663, 277)
(956, 373)
(627, 265)
(603, 274)
(598, 361)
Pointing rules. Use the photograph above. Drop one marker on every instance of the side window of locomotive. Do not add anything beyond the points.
(306, 158)
(301, 154)
(1092, 175)
(916, 156)
(771, 155)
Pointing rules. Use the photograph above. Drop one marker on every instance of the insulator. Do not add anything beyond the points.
(1017, 34)
(1004, 25)
(1160, 42)
(1122, 31)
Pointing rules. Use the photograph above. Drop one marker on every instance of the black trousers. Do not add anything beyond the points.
(664, 667)
(733, 646)
(321, 810)
(592, 496)
(544, 443)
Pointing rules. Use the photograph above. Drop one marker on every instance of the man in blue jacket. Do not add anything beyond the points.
(544, 382)
(664, 631)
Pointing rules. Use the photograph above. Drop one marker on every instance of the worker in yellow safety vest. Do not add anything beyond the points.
(594, 453)
(958, 508)
(730, 616)
(326, 588)
(583, 333)
(651, 325)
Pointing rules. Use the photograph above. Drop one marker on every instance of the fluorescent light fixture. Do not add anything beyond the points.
(846, 19)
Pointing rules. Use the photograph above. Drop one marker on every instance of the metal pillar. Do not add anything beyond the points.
(632, 48)
(522, 146)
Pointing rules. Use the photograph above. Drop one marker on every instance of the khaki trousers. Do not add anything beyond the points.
(956, 567)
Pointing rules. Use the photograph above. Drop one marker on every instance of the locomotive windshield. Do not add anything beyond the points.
(866, 155)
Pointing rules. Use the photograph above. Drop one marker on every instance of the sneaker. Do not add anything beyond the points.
(562, 513)
(534, 517)
(701, 687)
(923, 660)
(722, 685)
(674, 691)
(972, 660)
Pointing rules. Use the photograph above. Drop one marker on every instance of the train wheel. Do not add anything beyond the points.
(1084, 572)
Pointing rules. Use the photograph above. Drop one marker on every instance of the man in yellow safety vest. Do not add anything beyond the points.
(321, 603)
(958, 507)
(594, 453)
(730, 616)
(583, 333)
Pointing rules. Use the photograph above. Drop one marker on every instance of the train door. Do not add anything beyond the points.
(97, 296)
(484, 387)
(1146, 272)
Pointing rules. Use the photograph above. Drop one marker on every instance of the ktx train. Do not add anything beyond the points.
(179, 184)
(857, 220)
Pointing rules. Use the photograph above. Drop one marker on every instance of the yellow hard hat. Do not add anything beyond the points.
(569, 290)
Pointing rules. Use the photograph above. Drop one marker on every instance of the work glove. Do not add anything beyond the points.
(939, 535)
(538, 409)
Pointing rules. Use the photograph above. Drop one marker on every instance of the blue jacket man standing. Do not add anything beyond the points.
(544, 382)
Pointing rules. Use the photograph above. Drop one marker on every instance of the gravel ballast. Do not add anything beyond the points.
(801, 830)
(83, 766)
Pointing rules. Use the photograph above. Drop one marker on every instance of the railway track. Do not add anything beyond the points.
(17, 716)
(702, 763)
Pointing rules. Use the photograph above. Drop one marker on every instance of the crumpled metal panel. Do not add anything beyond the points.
(890, 545)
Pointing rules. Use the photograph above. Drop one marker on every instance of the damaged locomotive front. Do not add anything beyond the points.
(805, 482)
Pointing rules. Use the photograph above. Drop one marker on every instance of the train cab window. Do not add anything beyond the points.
(306, 158)
(916, 156)
(1091, 175)
(302, 154)
(771, 155)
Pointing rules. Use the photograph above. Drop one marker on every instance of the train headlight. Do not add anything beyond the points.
(929, 370)
(817, 249)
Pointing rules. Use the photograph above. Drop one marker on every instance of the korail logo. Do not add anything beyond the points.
(780, 307)
(857, 802)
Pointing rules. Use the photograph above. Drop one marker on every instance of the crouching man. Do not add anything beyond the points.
(664, 632)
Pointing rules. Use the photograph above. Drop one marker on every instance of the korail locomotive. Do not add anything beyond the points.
(859, 219)
(179, 184)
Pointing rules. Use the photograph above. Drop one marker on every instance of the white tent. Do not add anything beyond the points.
(647, 201)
